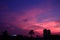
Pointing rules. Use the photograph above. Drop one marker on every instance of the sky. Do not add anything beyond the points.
(20, 16)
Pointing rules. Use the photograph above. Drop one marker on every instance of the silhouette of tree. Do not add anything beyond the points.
(31, 33)
(5, 33)
(45, 32)
(49, 33)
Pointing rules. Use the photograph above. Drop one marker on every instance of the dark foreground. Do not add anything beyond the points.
(46, 36)
(28, 38)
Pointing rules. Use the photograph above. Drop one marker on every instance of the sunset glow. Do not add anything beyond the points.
(21, 16)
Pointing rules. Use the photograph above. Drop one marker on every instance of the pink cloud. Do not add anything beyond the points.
(30, 16)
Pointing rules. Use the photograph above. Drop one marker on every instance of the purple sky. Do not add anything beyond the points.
(19, 16)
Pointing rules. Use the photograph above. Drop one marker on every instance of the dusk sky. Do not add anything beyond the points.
(20, 16)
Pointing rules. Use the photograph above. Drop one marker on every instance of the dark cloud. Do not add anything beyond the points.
(25, 20)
